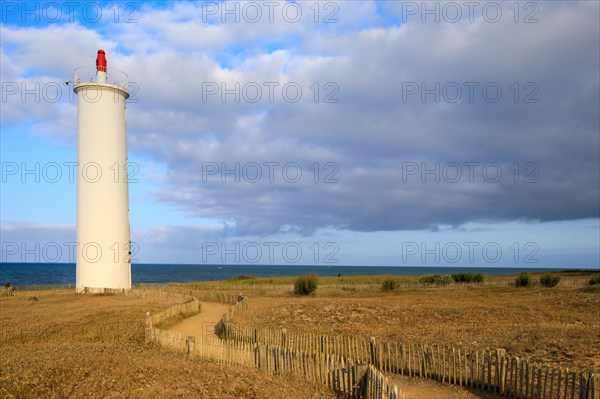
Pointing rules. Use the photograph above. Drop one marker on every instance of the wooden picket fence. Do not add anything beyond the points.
(489, 370)
(184, 290)
(347, 378)
(33, 290)
(362, 362)
(166, 295)
(191, 306)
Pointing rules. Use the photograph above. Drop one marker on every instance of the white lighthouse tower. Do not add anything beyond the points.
(103, 242)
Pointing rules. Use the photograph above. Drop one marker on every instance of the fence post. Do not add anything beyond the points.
(148, 327)
(284, 338)
(188, 344)
(373, 348)
(262, 355)
(362, 381)
(595, 383)
(501, 365)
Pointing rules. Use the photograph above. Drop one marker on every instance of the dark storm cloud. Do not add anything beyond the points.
(367, 145)
(546, 150)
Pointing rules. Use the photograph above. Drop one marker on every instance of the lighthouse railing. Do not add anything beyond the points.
(88, 74)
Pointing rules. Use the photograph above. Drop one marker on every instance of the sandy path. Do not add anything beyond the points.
(420, 388)
(203, 324)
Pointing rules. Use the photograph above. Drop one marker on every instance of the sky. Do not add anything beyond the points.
(384, 133)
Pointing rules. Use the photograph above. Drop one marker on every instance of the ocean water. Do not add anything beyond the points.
(64, 273)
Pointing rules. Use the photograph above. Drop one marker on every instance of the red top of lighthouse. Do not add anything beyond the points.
(101, 62)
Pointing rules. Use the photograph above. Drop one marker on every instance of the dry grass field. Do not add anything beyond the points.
(63, 345)
(558, 326)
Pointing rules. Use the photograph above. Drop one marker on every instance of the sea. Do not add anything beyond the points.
(62, 274)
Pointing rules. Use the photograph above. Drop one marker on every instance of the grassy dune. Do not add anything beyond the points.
(83, 346)
(60, 344)
(559, 326)
(364, 284)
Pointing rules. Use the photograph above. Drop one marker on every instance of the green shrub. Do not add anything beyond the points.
(523, 280)
(467, 277)
(435, 279)
(592, 289)
(549, 280)
(389, 284)
(305, 284)
(426, 279)
(462, 277)
(595, 280)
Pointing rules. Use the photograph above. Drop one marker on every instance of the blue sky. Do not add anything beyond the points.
(355, 133)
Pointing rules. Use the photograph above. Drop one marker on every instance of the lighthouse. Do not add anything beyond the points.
(103, 251)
